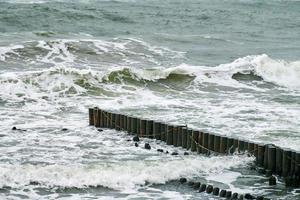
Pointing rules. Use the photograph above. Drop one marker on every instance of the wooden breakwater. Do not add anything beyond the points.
(270, 158)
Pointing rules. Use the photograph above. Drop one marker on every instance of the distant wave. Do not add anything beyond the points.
(71, 52)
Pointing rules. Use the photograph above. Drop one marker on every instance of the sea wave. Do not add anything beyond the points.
(263, 67)
(258, 67)
(87, 52)
(73, 81)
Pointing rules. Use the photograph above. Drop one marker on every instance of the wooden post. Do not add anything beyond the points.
(99, 117)
(217, 143)
(189, 138)
(179, 138)
(102, 117)
(109, 121)
(175, 136)
(255, 153)
(246, 145)
(113, 120)
(223, 144)
(121, 116)
(184, 137)
(169, 135)
(293, 166)
(163, 130)
(235, 145)
(271, 158)
(138, 126)
(251, 148)
(91, 116)
(230, 148)
(286, 162)
(205, 143)
(260, 155)
(125, 123)
(266, 158)
(211, 140)
(297, 164)
(117, 126)
(128, 124)
(133, 125)
(241, 146)
(195, 136)
(149, 129)
(106, 119)
(278, 161)
(143, 123)
(200, 141)
(156, 130)
(96, 118)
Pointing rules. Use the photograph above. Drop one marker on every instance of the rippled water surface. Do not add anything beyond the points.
(227, 67)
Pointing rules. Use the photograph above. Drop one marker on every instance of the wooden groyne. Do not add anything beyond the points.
(270, 159)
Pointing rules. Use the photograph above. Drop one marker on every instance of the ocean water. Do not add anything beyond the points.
(230, 67)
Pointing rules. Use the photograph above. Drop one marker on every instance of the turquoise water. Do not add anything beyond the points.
(227, 67)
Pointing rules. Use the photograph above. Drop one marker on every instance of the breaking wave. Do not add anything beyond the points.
(57, 81)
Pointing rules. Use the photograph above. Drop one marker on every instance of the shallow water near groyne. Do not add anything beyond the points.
(225, 67)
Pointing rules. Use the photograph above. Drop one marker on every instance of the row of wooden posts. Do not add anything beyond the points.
(279, 161)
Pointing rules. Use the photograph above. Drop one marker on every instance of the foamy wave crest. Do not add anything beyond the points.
(54, 82)
(70, 81)
(125, 175)
(278, 71)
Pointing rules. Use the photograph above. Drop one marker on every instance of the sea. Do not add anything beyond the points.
(230, 67)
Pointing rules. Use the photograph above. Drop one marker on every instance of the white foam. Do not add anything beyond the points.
(4, 51)
(278, 71)
(123, 175)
